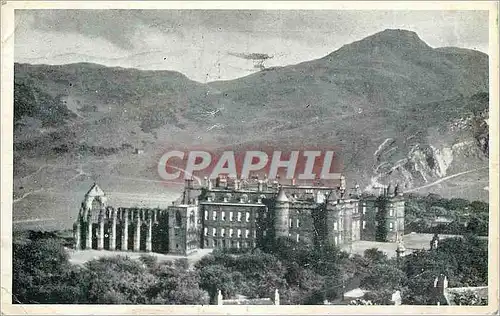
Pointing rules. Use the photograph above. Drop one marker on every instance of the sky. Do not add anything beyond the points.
(209, 45)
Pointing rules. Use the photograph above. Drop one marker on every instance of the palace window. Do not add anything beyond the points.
(205, 231)
(391, 212)
(254, 234)
(290, 222)
(364, 210)
(178, 219)
(206, 215)
(239, 216)
(364, 224)
(247, 216)
(247, 233)
(231, 232)
(214, 232)
(336, 240)
(298, 237)
(223, 216)
(239, 233)
(335, 225)
(223, 232)
(230, 216)
(391, 226)
(214, 215)
(238, 244)
(298, 223)
(244, 198)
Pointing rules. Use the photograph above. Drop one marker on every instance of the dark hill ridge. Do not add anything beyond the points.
(398, 109)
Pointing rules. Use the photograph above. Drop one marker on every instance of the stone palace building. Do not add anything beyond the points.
(234, 213)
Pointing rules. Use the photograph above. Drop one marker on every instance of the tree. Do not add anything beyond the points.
(469, 298)
(383, 276)
(42, 273)
(374, 255)
(117, 280)
(176, 285)
(217, 277)
(463, 260)
(380, 296)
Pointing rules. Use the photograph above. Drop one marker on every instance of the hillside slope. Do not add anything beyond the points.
(396, 109)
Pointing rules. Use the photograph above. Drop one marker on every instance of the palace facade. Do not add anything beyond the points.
(234, 213)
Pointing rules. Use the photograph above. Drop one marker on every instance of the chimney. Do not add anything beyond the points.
(342, 182)
(293, 181)
(260, 187)
(276, 297)
(210, 185)
(236, 184)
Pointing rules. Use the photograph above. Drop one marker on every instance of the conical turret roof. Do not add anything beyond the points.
(282, 196)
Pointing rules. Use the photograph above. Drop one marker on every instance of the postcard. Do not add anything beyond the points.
(278, 157)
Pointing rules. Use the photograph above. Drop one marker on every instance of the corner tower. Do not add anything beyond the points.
(281, 215)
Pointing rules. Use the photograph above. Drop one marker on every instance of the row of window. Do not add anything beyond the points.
(229, 232)
(391, 211)
(338, 239)
(229, 197)
(215, 243)
(239, 216)
(355, 225)
(391, 225)
(297, 223)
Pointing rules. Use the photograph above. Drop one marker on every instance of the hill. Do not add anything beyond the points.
(397, 110)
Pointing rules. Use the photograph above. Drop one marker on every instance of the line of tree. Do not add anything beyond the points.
(302, 273)
(465, 217)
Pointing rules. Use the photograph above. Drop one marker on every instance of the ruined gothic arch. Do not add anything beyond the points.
(93, 205)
